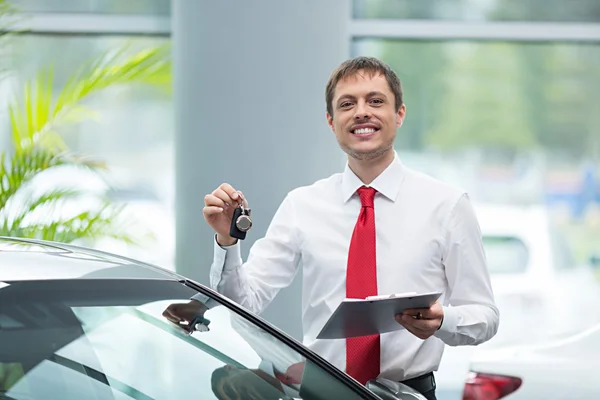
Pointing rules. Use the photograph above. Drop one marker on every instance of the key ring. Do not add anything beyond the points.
(198, 324)
(243, 222)
(243, 200)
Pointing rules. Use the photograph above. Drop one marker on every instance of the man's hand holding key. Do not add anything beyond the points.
(219, 209)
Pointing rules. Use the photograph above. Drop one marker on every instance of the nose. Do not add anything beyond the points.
(362, 111)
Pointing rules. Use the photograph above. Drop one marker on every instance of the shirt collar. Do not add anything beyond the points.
(387, 183)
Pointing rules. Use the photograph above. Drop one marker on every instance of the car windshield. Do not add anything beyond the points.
(110, 339)
(505, 254)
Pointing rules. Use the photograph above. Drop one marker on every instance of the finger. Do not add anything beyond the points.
(424, 313)
(407, 322)
(168, 314)
(211, 200)
(412, 329)
(208, 211)
(231, 192)
(413, 312)
(426, 325)
(243, 198)
(224, 197)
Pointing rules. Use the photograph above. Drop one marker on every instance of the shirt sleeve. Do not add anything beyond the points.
(207, 301)
(471, 316)
(272, 263)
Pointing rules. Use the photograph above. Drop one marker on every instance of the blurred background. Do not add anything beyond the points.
(116, 118)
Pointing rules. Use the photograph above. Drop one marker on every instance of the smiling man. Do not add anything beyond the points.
(378, 227)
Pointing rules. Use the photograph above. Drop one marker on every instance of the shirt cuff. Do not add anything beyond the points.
(221, 253)
(207, 301)
(449, 323)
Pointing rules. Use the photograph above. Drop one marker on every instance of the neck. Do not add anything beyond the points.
(369, 169)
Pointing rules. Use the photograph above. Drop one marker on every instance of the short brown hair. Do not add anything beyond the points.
(368, 64)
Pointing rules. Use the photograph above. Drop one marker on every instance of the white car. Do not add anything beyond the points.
(560, 369)
(76, 323)
(536, 281)
(537, 287)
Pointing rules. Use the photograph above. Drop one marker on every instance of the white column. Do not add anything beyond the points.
(249, 90)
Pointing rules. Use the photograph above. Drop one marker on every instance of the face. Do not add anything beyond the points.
(365, 118)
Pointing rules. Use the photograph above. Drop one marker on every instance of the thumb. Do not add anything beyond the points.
(170, 315)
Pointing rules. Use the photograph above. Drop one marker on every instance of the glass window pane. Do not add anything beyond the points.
(131, 130)
(110, 340)
(134, 7)
(481, 10)
(499, 99)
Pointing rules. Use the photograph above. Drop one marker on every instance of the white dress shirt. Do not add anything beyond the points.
(428, 239)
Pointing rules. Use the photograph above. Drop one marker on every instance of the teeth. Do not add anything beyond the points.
(364, 131)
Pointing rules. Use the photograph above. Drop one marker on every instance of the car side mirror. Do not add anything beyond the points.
(392, 390)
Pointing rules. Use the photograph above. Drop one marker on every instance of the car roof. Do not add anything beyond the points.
(31, 259)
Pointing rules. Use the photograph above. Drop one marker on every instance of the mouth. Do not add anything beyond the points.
(364, 130)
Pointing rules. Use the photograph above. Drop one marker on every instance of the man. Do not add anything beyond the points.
(376, 228)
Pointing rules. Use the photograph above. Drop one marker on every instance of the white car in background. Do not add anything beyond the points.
(539, 290)
(560, 369)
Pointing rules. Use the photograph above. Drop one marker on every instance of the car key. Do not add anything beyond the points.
(199, 324)
(241, 222)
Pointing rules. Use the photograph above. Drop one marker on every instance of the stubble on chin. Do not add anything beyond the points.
(369, 154)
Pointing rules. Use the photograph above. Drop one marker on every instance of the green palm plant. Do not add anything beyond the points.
(37, 118)
(7, 21)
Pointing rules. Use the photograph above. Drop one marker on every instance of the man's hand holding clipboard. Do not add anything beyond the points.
(422, 322)
(420, 314)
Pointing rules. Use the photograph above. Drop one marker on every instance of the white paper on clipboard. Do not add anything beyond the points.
(358, 317)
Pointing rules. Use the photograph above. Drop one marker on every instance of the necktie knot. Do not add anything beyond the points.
(367, 196)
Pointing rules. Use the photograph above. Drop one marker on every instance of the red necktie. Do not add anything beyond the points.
(362, 353)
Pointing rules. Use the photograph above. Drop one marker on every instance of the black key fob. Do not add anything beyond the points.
(240, 223)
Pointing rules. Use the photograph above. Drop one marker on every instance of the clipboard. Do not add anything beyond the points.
(363, 317)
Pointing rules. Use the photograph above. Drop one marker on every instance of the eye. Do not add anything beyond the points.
(377, 101)
(345, 104)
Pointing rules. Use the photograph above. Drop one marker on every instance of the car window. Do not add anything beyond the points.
(505, 254)
(109, 339)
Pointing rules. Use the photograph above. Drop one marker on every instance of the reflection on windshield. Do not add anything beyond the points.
(279, 366)
(133, 340)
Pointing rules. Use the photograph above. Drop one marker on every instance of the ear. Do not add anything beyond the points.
(330, 122)
(400, 115)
